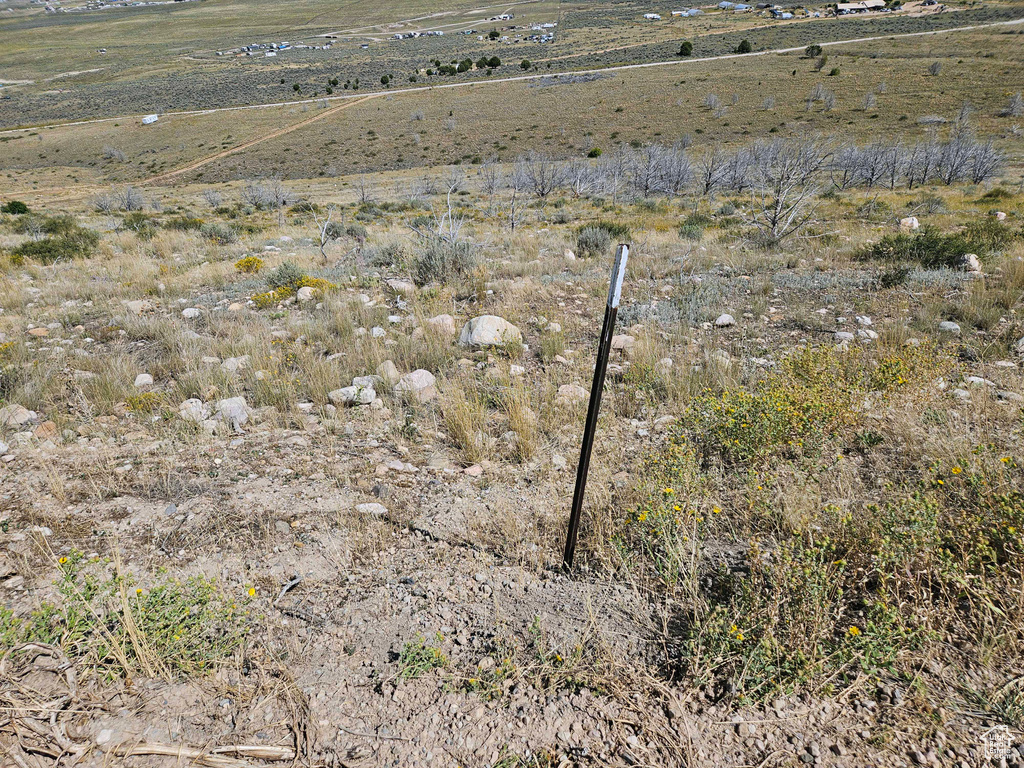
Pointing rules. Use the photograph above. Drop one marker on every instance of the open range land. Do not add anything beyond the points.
(296, 352)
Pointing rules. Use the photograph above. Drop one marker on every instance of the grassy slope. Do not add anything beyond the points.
(504, 120)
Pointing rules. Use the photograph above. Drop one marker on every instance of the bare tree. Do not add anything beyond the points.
(455, 179)
(491, 178)
(516, 184)
(327, 230)
(870, 100)
(213, 197)
(768, 104)
(785, 180)
(112, 153)
(645, 171)
(735, 174)
(676, 169)
(105, 203)
(985, 162)
(130, 199)
(612, 171)
(712, 102)
(365, 189)
(543, 174)
(922, 161)
(1014, 107)
(579, 177)
(934, 68)
(711, 171)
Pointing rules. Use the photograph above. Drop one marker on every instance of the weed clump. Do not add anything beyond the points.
(931, 248)
(441, 261)
(175, 628)
(218, 233)
(419, 657)
(593, 241)
(65, 240)
(249, 265)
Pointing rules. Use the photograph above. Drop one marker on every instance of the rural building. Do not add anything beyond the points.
(862, 7)
(149, 119)
(652, 16)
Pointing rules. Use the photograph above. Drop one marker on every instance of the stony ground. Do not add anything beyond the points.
(397, 570)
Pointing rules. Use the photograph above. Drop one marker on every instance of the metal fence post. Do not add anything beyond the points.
(603, 349)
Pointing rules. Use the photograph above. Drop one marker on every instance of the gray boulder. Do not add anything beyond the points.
(489, 331)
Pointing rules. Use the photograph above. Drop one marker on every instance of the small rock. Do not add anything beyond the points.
(235, 364)
(970, 263)
(403, 287)
(304, 295)
(724, 321)
(143, 380)
(191, 313)
(568, 255)
(388, 373)
(489, 331)
(949, 327)
(571, 393)
(909, 224)
(194, 410)
(623, 342)
(15, 415)
(443, 324)
(139, 307)
(233, 411)
(352, 396)
(372, 508)
(474, 471)
(39, 333)
(419, 384)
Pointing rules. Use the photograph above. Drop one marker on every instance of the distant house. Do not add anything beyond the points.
(652, 16)
(150, 119)
(725, 5)
(862, 7)
(680, 13)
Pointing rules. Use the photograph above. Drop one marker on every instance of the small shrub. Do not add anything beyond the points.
(271, 298)
(931, 248)
(441, 261)
(14, 207)
(744, 46)
(249, 265)
(184, 224)
(219, 233)
(285, 276)
(67, 240)
(180, 628)
(593, 241)
(691, 233)
(139, 223)
(812, 51)
(686, 48)
(145, 402)
(419, 657)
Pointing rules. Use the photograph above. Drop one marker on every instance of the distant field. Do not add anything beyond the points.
(149, 70)
(502, 121)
